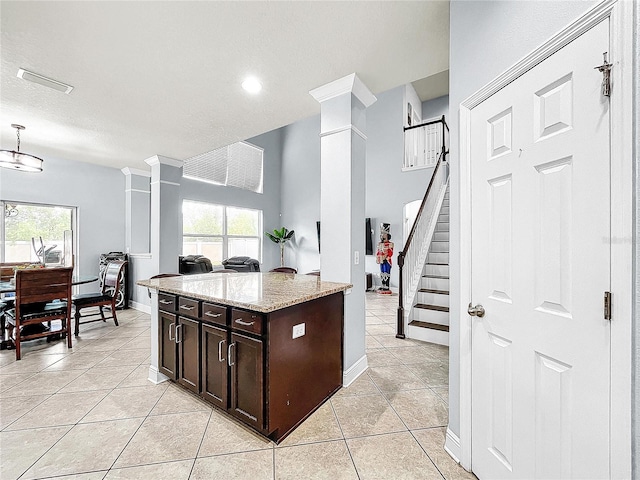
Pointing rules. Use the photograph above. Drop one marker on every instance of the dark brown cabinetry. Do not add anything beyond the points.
(254, 365)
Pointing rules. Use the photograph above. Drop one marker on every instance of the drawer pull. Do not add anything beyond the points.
(229, 355)
(246, 324)
(220, 351)
(187, 307)
(165, 302)
(171, 325)
(214, 315)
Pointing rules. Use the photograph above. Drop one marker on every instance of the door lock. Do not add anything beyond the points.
(477, 311)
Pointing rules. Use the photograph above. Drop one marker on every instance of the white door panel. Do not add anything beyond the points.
(540, 193)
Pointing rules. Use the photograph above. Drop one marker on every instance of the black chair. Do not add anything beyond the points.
(193, 264)
(242, 264)
(284, 270)
(106, 297)
(42, 295)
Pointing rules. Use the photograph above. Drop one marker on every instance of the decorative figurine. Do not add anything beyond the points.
(384, 256)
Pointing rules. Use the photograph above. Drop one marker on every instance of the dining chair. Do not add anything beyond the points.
(163, 275)
(106, 297)
(42, 296)
(284, 270)
(225, 270)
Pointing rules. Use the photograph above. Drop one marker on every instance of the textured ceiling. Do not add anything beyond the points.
(164, 77)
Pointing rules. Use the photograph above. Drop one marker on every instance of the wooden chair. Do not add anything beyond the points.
(42, 295)
(107, 297)
(163, 275)
(284, 270)
(225, 270)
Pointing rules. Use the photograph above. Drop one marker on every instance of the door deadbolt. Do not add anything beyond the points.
(477, 311)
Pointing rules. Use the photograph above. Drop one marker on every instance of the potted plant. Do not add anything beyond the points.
(281, 237)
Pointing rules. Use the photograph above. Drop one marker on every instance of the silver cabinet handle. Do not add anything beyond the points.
(477, 311)
(179, 330)
(229, 355)
(246, 324)
(220, 351)
(214, 315)
(165, 302)
(171, 325)
(187, 307)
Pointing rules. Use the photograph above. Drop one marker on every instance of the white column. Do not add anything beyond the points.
(343, 106)
(166, 216)
(137, 210)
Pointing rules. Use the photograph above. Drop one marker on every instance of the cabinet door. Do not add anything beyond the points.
(167, 345)
(214, 365)
(188, 340)
(247, 380)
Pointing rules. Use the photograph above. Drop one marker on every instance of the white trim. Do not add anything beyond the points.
(141, 307)
(351, 127)
(165, 182)
(348, 84)
(354, 371)
(159, 159)
(452, 445)
(155, 376)
(137, 190)
(621, 223)
(621, 37)
(135, 171)
(561, 39)
(144, 255)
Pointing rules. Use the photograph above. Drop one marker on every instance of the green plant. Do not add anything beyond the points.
(280, 237)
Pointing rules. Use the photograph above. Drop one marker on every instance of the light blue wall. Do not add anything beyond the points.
(486, 38)
(388, 189)
(436, 108)
(96, 191)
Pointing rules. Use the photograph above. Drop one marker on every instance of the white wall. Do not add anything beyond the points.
(96, 191)
(486, 38)
(435, 108)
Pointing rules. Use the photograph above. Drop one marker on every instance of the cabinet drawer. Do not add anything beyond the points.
(188, 307)
(167, 302)
(214, 313)
(247, 321)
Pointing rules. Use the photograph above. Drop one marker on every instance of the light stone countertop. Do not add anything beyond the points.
(261, 292)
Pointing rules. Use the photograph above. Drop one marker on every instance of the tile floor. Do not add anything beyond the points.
(90, 413)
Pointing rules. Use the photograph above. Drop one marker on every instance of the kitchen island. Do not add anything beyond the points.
(264, 347)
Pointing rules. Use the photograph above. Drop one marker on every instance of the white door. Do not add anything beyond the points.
(540, 266)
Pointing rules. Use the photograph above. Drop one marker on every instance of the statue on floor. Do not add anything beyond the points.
(384, 256)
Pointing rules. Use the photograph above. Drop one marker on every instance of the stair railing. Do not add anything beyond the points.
(414, 254)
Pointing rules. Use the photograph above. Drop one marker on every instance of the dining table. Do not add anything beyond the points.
(7, 288)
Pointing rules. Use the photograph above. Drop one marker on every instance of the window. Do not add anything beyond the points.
(219, 232)
(236, 165)
(23, 222)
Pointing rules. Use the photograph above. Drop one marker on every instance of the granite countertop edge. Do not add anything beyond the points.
(262, 307)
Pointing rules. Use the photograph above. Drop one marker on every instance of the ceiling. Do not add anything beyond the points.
(165, 77)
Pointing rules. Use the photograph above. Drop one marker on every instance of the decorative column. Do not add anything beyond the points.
(166, 233)
(343, 104)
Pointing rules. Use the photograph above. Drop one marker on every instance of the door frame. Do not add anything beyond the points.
(620, 14)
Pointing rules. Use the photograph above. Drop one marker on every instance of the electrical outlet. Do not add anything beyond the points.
(356, 257)
(298, 330)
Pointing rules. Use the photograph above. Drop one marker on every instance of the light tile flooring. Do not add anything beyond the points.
(90, 413)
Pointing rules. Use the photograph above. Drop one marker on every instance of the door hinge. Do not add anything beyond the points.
(605, 69)
(607, 305)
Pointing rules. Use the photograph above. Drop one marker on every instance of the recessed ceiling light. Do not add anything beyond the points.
(42, 80)
(252, 85)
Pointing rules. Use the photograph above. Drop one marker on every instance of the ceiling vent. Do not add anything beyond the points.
(42, 80)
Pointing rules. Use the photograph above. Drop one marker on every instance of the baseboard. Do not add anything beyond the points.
(354, 371)
(141, 307)
(452, 445)
(155, 376)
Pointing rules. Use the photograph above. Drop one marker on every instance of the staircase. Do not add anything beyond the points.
(429, 318)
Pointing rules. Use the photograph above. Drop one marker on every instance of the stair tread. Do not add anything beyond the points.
(435, 276)
(433, 326)
(431, 290)
(438, 308)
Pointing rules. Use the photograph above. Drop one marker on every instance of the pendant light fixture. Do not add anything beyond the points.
(18, 160)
